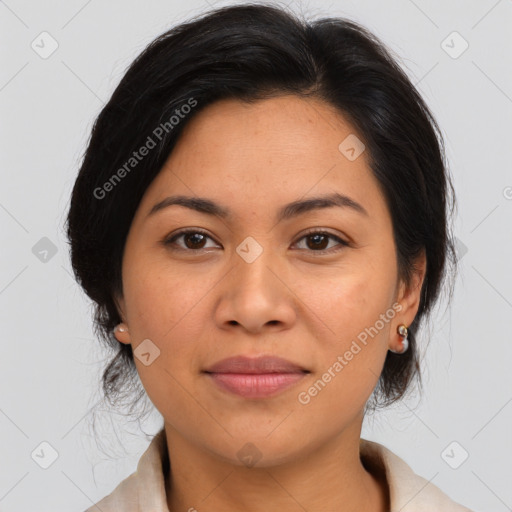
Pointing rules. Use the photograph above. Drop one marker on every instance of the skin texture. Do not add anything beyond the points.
(204, 303)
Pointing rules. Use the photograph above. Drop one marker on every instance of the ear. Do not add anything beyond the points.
(121, 331)
(409, 295)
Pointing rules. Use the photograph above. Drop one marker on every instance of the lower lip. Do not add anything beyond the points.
(258, 385)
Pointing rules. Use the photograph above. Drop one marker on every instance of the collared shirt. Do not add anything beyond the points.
(144, 490)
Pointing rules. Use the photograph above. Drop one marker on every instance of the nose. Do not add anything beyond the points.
(256, 296)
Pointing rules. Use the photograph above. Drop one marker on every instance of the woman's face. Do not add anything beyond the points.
(315, 286)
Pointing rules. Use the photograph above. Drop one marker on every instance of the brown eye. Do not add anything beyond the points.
(318, 241)
(193, 240)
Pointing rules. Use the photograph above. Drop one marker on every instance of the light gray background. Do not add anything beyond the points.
(50, 364)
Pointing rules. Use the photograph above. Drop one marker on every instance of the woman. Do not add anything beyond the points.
(261, 220)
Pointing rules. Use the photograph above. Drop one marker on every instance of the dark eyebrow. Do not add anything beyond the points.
(288, 211)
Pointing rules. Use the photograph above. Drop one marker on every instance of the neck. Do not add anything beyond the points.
(330, 476)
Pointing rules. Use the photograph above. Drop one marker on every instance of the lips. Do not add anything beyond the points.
(254, 378)
(259, 365)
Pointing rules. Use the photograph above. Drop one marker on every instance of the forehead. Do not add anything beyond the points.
(271, 151)
(276, 121)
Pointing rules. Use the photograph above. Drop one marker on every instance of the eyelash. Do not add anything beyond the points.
(343, 243)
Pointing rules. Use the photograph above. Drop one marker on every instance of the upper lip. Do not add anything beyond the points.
(262, 364)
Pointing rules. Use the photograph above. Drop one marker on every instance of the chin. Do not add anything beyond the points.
(259, 450)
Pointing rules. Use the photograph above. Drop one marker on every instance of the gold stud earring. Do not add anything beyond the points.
(403, 332)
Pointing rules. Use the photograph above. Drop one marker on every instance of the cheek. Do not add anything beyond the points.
(346, 301)
(166, 308)
(170, 308)
(160, 296)
(354, 317)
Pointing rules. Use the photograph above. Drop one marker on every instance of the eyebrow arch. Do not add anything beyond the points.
(293, 209)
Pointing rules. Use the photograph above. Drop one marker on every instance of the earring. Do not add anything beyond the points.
(403, 332)
(119, 328)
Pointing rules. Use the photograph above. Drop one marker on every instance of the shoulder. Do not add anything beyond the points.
(408, 491)
(144, 489)
(123, 497)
